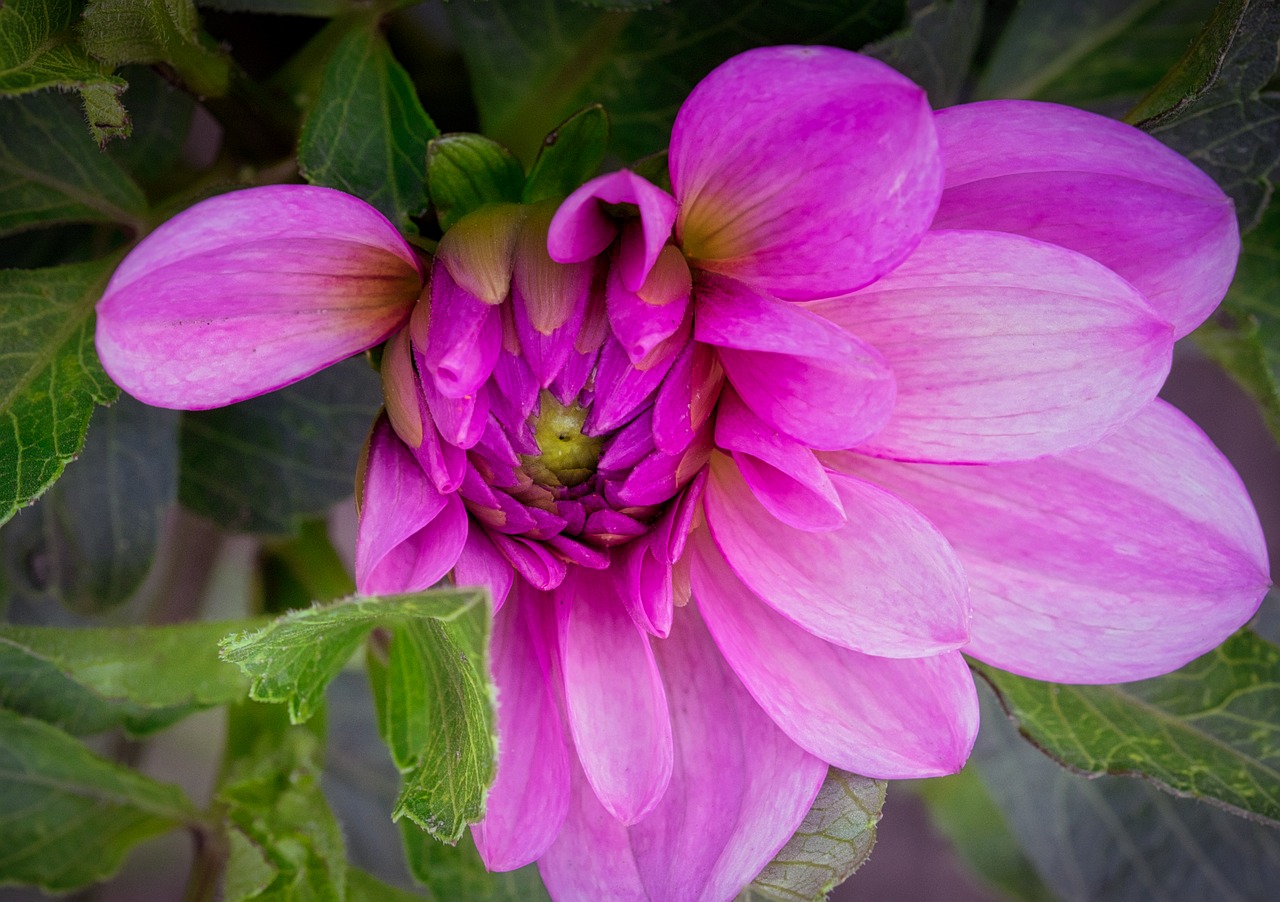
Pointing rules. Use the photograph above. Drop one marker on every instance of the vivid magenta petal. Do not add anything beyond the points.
(481, 564)
(1097, 186)
(620, 726)
(805, 172)
(639, 324)
(1004, 348)
(251, 291)
(464, 337)
(581, 229)
(801, 374)
(880, 717)
(530, 794)
(410, 535)
(1120, 561)
(887, 583)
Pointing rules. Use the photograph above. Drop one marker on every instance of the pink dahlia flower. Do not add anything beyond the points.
(747, 465)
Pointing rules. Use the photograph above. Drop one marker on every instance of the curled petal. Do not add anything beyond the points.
(805, 172)
(639, 323)
(251, 291)
(801, 374)
(1004, 348)
(887, 583)
(464, 337)
(880, 717)
(1119, 561)
(1098, 187)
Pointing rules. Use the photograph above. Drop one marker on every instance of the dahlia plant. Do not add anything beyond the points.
(756, 457)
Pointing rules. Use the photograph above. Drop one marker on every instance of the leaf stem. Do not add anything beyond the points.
(212, 854)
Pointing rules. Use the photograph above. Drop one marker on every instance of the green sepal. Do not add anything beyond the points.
(467, 171)
(570, 154)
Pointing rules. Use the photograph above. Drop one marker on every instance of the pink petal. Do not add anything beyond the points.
(804, 171)
(1097, 186)
(461, 421)
(251, 291)
(799, 373)
(464, 337)
(1005, 348)
(410, 535)
(887, 583)
(880, 717)
(481, 564)
(686, 397)
(581, 229)
(530, 795)
(784, 476)
(644, 583)
(443, 461)
(621, 387)
(639, 324)
(542, 569)
(1116, 562)
(614, 699)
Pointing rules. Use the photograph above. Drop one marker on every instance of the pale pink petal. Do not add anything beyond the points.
(581, 229)
(464, 337)
(739, 789)
(481, 564)
(530, 795)
(251, 291)
(880, 717)
(784, 475)
(887, 583)
(1097, 186)
(410, 535)
(1005, 348)
(801, 374)
(620, 726)
(804, 171)
(1117, 562)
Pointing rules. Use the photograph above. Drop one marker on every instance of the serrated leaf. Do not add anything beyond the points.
(38, 51)
(87, 543)
(70, 817)
(50, 376)
(534, 62)
(936, 47)
(833, 841)
(963, 811)
(1118, 839)
(1232, 131)
(570, 154)
(119, 32)
(1208, 730)
(1099, 54)
(266, 464)
(367, 133)
(51, 172)
(466, 171)
(140, 678)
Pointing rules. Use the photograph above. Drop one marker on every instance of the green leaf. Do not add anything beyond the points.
(833, 841)
(87, 543)
(1198, 69)
(50, 376)
(318, 8)
(69, 817)
(1244, 335)
(1117, 839)
(367, 133)
(1232, 131)
(140, 678)
(155, 31)
(457, 872)
(964, 812)
(936, 48)
(433, 693)
(38, 51)
(162, 115)
(466, 171)
(51, 172)
(266, 464)
(364, 887)
(534, 62)
(1098, 54)
(570, 154)
(1208, 730)
(284, 842)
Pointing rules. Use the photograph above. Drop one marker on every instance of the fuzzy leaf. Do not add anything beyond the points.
(367, 133)
(1207, 731)
(70, 817)
(155, 31)
(140, 678)
(50, 376)
(833, 841)
(266, 464)
(466, 171)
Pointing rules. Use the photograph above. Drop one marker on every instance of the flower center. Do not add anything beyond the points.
(567, 456)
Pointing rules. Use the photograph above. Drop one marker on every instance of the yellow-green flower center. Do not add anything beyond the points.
(568, 457)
